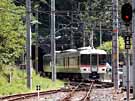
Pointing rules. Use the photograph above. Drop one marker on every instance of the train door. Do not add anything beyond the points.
(94, 63)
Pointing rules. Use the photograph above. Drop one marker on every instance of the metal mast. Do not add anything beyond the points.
(53, 53)
(28, 44)
(115, 49)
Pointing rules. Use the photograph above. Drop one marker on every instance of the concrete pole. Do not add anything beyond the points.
(133, 41)
(28, 44)
(115, 49)
(36, 46)
(53, 53)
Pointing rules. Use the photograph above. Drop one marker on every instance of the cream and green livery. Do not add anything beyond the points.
(81, 63)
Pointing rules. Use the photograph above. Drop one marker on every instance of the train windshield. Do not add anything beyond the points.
(102, 59)
(85, 59)
(94, 59)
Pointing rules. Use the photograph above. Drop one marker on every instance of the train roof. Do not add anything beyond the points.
(84, 48)
(57, 52)
(70, 50)
(74, 52)
(93, 51)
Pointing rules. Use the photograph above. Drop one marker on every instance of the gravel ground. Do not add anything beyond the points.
(100, 94)
(105, 94)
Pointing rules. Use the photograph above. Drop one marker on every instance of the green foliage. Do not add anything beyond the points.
(19, 81)
(121, 44)
(107, 46)
(46, 84)
(11, 31)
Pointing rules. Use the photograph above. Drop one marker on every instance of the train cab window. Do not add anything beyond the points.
(94, 59)
(85, 59)
(102, 59)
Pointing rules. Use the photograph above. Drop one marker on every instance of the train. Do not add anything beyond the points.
(82, 63)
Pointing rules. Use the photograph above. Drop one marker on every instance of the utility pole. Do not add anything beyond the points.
(36, 46)
(100, 33)
(133, 41)
(28, 44)
(53, 47)
(115, 49)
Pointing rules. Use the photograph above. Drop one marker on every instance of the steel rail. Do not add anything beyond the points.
(28, 95)
(71, 93)
(87, 96)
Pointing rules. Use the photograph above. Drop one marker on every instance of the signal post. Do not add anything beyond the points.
(126, 15)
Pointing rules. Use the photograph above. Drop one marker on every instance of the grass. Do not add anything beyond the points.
(19, 81)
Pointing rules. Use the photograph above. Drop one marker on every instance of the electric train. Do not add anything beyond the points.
(82, 63)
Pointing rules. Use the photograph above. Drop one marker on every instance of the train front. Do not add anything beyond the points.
(93, 64)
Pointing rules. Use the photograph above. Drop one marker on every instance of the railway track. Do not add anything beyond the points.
(66, 98)
(87, 96)
(19, 97)
(80, 87)
(73, 90)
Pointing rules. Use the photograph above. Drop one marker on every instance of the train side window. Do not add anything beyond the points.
(73, 61)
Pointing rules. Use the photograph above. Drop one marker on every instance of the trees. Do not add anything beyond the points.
(12, 37)
(107, 46)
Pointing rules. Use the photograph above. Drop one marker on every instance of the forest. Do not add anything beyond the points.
(78, 23)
